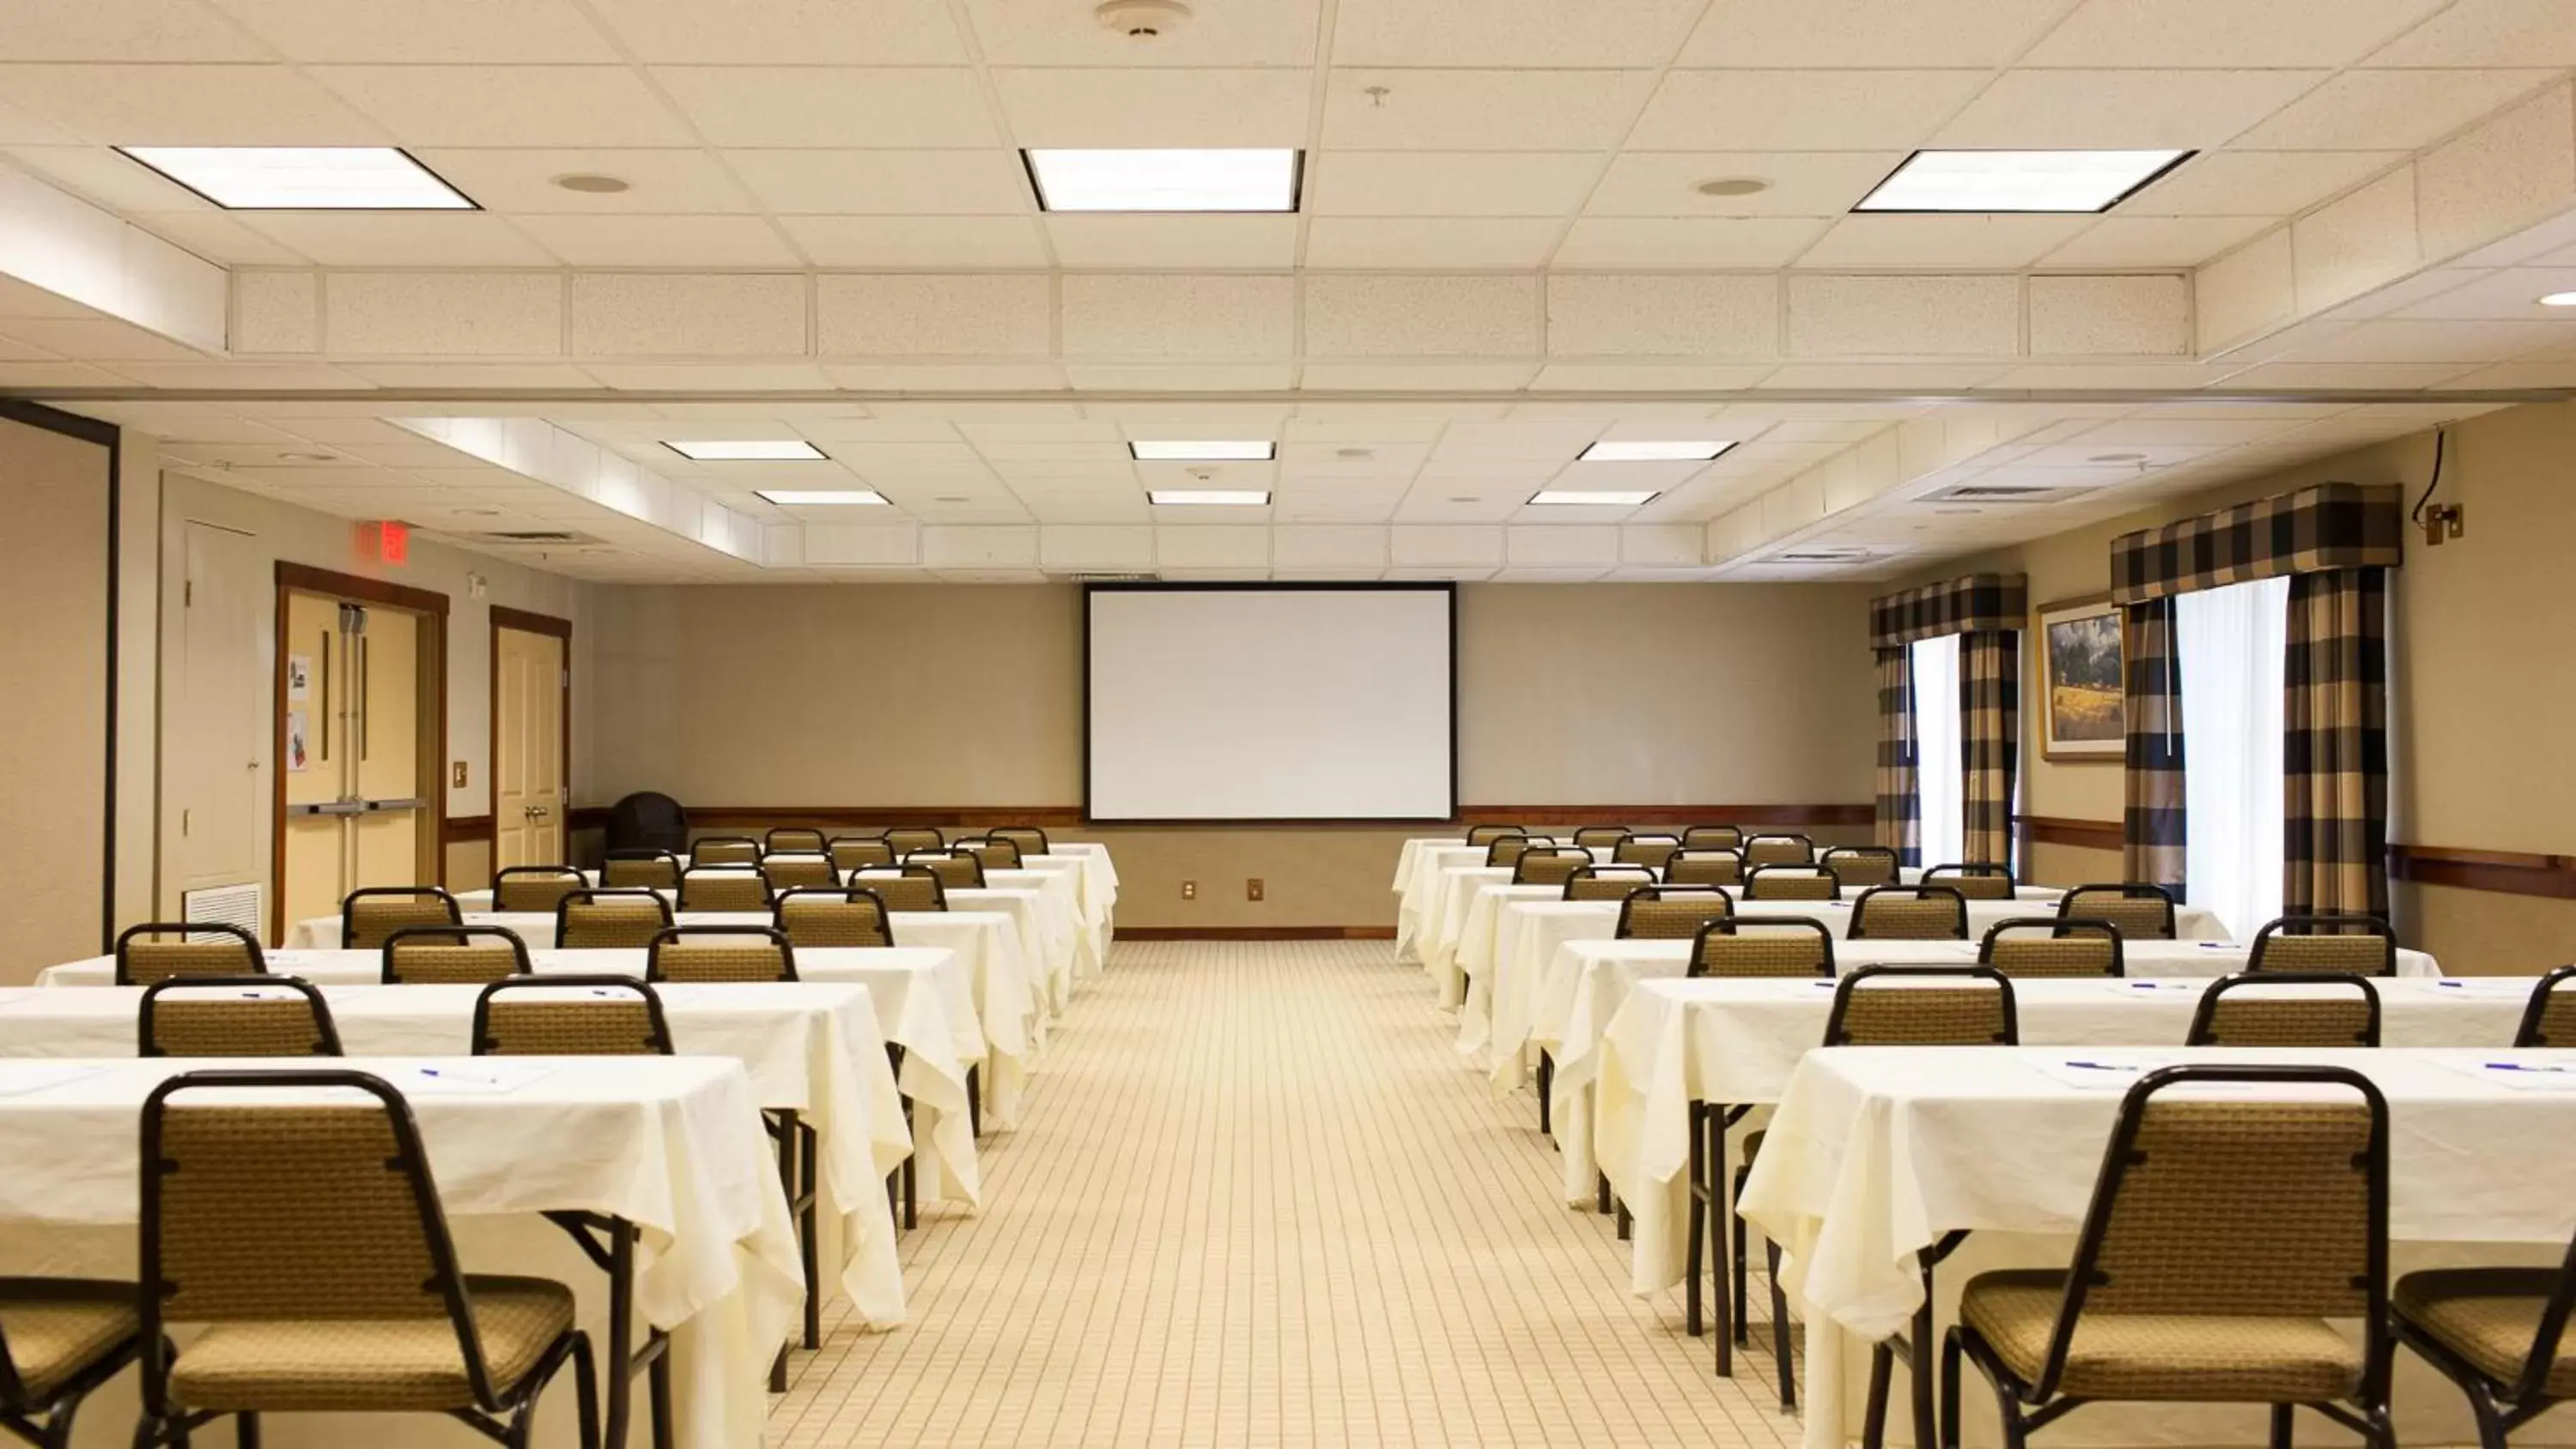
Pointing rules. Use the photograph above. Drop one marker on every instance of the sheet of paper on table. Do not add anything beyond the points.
(483, 1078)
(2522, 1076)
(20, 1078)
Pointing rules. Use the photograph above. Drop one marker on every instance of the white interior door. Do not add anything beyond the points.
(219, 759)
(528, 797)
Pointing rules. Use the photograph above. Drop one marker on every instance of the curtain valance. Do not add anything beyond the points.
(2329, 526)
(1968, 604)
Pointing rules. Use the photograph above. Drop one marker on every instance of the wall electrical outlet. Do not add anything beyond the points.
(1189, 890)
(1252, 889)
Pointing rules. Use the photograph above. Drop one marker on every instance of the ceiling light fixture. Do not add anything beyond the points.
(821, 497)
(2559, 299)
(304, 178)
(2019, 181)
(591, 183)
(1145, 179)
(1201, 451)
(1591, 498)
(1632, 450)
(744, 450)
(1210, 497)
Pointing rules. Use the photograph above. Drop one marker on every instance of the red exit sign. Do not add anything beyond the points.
(386, 541)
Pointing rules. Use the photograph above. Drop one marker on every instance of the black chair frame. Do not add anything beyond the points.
(258, 957)
(1925, 892)
(669, 934)
(323, 1026)
(2530, 1033)
(349, 918)
(2058, 927)
(2204, 1017)
(1753, 873)
(563, 908)
(2327, 925)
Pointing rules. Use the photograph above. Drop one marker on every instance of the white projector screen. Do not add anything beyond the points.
(1261, 702)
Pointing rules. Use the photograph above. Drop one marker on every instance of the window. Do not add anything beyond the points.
(1937, 772)
(2231, 642)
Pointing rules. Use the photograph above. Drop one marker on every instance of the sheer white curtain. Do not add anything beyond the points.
(2231, 642)
(1936, 748)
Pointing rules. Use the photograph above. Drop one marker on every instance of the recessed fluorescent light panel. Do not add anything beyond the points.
(2559, 299)
(1210, 497)
(2025, 181)
(1591, 498)
(1155, 180)
(746, 450)
(820, 497)
(304, 178)
(1632, 450)
(1202, 452)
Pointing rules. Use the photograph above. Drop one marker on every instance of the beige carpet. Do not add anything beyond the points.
(1256, 1198)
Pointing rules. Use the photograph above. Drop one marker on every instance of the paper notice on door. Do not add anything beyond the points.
(296, 756)
(299, 677)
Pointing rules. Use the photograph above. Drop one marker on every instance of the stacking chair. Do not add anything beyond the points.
(1605, 882)
(1910, 913)
(1863, 865)
(454, 955)
(724, 850)
(958, 870)
(255, 1016)
(1762, 946)
(1976, 880)
(723, 890)
(610, 920)
(2142, 912)
(1600, 837)
(853, 916)
(2224, 1233)
(647, 869)
(143, 957)
(858, 852)
(1692, 866)
(605, 1015)
(2360, 945)
(1671, 913)
(2499, 1333)
(1645, 849)
(2287, 1009)
(995, 854)
(792, 840)
(534, 888)
(912, 839)
(1488, 834)
(371, 913)
(60, 1338)
(2550, 1020)
(1791, 883)
(308, 1241)
(1030, 839)
(1506, 850)
(1549, 865)
(1713, 837)
(788, 872)
(2035, 946)
(1778, 849)
(906, 887)
(719, 953)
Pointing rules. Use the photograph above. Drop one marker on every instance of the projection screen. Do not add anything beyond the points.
(1261, 702)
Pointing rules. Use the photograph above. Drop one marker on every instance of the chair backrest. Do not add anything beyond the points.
(720, 953)
(854, 916)
(1600, 837)
(1792, 883)
(2143, 912)
(724, 850)
(958, 870)
(787, 872)
(2209, 1204)
(371, 913)
(2034, 946)
(906, 887)
(647, 820)
(234, 1016)
(1549, 865)
(1713, 837)
(2550, 1019)
(1670, 913)
(1923, 1006)
(857, 852)
(1488, 834)
(1767, 946)
(1506, 850)
(1975, 880)
(297, 1211)
(1645, 849)
(726, 888)
(995, 854)
(1780, 848)
(1029, 838)
(2360, 945)
(1691, 866)
(454, 955)
(1863, 865)
(570, 1016)
(647, 869)
(792, 840)
(610, 920)
(1910, 913)
(908, 839)
(1605, 882)
(534, 887)
(143, 957)
(2287, 1009)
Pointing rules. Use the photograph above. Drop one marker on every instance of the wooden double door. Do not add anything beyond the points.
(357, 749)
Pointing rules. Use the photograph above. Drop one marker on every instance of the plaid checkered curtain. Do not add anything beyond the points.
(1989, 741)
(2153, 824)
(1900, 806)
(2334, 718)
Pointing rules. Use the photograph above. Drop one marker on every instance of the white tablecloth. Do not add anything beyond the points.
(675, 1147)
(1876, 1153)
(1093, 900)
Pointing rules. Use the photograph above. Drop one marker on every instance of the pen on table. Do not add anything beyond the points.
(2102, 1066)
(2519, 1067)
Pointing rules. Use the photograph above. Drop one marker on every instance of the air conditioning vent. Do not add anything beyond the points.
(232, 905)
(2003, 493)
(533, 535)
(1824, 555)
(1145, 578)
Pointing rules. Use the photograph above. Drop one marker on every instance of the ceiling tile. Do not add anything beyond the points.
(113, 180)
(831, 105)
(166, 30)
(99, 339)
(939, 377)
(2429, 340)
(1266, 243)
(2154, 241)
(661, 241)
(1154, 107)
(1277, 32)
(2388, 110)
(885, 183)
(2256, 183)
(2000, 242)
(2503, 295)
(883, 315)
(1712, 242)
(663, 182)
(1448, 183)
(519, 105)
(785, 32)
(1508, 33)
(218, 105)
(1165, 317)
(1811, 183)
(2488, 33)
(704, 376)
(1480, 110)
(1400, 377)
(517, 32)
(2123, 109)
(399, 239)
(1434, 242)
(2396, 376)
(1882, 376)
(2149, 34)
(944, 242)
(1662, 377)
(1867, 33)
(1800, 110)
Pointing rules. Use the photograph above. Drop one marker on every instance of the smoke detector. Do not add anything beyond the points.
(1142, 19)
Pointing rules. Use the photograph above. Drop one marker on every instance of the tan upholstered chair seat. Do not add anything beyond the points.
(2195, 1358)
(55, 1335)
(2490, 1317)
(372, 1365)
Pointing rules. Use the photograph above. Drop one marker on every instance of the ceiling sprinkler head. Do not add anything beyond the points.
(1142, 19)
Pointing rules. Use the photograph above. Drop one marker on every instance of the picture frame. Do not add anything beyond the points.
(2082, 699)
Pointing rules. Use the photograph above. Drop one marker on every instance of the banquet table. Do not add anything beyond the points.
(1874, 1154)
(1099, 884)
(673, 1147)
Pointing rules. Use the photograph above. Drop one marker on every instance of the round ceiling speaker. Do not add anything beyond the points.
(1734, 186)
(1142, 19)
(592, 183)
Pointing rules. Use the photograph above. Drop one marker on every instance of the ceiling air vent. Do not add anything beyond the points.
(531, 538)
(1823, 555)
(2003, 493)
(1112, 578)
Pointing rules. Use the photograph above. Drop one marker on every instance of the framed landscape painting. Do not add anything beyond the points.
(2079, 659)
